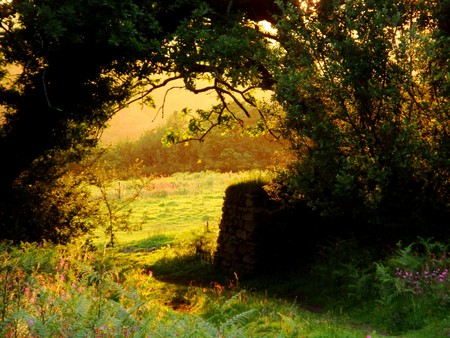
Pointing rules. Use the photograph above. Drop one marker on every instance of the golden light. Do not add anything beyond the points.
(267, 27)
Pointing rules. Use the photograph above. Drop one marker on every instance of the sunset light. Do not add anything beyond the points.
(224, 168)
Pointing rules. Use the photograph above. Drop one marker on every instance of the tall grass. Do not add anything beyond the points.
(79, 291)
(160, 282)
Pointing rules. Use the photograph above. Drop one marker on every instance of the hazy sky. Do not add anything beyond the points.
(132, 122)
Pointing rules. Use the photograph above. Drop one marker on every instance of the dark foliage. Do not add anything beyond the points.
(77, 63)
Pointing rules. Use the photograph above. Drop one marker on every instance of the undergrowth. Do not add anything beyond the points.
(164, 284)
(82, 291)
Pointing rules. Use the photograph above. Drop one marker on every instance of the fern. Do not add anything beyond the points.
(407, 258)
(225, 318)
(389, 289)
(240, 320)
(290, 325)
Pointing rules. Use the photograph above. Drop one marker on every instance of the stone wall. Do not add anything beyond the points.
(258, 235)
(244, 215)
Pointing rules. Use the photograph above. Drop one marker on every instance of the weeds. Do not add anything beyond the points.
(414, 286)
(80, 290)
(77, 291)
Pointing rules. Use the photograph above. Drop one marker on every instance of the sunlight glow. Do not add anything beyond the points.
(267, 27)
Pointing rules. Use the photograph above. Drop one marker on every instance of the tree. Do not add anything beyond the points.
(364, 90)
(78, 62)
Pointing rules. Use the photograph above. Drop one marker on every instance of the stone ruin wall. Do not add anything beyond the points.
(259, 235)
(245, 215)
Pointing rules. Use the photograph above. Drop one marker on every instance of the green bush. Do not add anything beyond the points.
(414, 286)
(366, 115)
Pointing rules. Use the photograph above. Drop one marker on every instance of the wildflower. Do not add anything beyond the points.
(61, 277)
(30, 322)
(26, 291)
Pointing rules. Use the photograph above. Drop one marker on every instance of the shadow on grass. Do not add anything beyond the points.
(192, 271)
(189, 269)
(149, 244)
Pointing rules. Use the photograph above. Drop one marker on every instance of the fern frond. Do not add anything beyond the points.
(241, 319)
(230, 302)
(407, 258)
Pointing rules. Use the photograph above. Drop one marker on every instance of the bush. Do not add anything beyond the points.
(414, 286)
(366, 116)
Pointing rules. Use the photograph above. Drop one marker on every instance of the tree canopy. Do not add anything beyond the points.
(360, 90)
(76, 63)
(364, 90)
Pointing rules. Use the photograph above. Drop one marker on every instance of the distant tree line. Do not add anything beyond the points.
(226, 150)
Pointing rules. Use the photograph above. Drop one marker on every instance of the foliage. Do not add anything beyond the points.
(345, 271)
(64, 291)
(81, 289)
(223, 317)
(364, 92)
(77, 290)
(67, 67)
(115, 203)
(361, 93)
(223, 150)
(57, 210)
(414, 285)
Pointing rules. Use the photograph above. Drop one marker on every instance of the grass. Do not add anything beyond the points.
(177, 205)
(160, 282)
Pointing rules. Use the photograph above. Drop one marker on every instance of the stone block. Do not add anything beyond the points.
(241, 234)
(250, 259)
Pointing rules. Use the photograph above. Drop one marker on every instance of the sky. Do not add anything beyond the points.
(132, 122)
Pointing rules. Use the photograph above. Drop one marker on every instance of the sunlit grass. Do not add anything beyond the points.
(161, 281)
(175, 206)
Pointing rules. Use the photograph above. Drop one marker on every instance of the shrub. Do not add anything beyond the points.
(414, 285)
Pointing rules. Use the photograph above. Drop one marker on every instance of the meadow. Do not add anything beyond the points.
(160, 281)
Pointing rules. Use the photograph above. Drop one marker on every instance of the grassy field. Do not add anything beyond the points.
(175, 206)
(160, 281)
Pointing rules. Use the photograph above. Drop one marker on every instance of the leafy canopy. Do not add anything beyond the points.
(361, 92)
(364, 91)
(68, 66)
